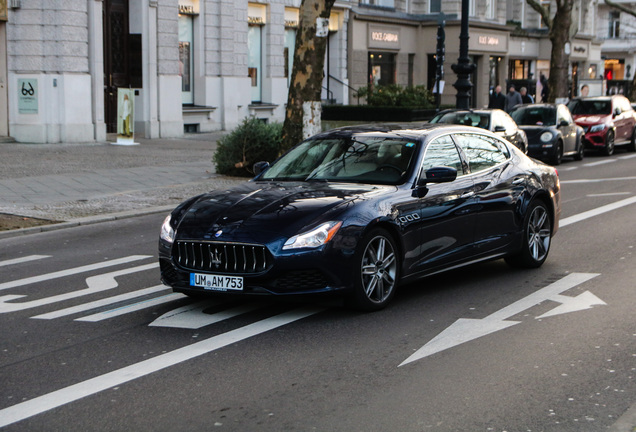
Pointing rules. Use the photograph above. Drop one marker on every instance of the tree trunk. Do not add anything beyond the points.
(559, 60)
(302, 116)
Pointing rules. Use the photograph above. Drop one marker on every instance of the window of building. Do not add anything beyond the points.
(291, 25)
(435, 6)
(256, 14)
(382, 3)
(614, 24)
(490, 9)
(186, 60)
(381, 68)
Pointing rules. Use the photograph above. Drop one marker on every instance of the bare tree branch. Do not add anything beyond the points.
(543, 12)
(621, 7)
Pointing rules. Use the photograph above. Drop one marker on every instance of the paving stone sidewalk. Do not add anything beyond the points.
(65, 182)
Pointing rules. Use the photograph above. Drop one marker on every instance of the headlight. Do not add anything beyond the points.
(167, 233)
(546, 137)
(597, 128)
(314, 238)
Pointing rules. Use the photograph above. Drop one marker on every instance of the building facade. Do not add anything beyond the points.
(205, 65)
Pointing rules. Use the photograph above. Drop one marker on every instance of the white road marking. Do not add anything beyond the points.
(192, 316)
(103, 302)
(131, 308)
(608, 194)
(465, 330)
(100, 383)
(69, 272)
(95, 284)
(23, 260)
(603, 162)
(597, 180)
(597, 211)
(631, 156)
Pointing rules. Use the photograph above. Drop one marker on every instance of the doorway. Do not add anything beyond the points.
(116, 57)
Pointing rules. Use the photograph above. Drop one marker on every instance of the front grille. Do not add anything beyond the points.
(222, 257)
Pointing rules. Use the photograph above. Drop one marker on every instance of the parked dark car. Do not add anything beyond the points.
(494, 120)
(608, 121)
(357, 211)
(551, 131)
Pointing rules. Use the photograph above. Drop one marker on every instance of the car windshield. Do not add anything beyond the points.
(466, 118)
(534, 116)
(357, 159)
(599, 107)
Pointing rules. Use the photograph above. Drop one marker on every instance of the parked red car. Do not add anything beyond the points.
(608, 121)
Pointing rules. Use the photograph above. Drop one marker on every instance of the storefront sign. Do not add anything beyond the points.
(491, 42)
(384, 37)
(188, 7)
(28, 96)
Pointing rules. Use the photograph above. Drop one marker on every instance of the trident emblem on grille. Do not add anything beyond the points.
(215, 258)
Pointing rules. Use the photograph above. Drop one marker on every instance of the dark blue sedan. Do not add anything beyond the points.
(357, 211)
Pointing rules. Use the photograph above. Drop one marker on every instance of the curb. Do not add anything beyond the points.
(89, 220)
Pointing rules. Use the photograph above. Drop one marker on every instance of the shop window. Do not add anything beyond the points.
(519, 69)
(186, 61)
(256, 15)
(381, 68)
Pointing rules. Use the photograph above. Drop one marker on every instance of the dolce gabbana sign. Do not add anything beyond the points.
(384, 37)
(491, 42)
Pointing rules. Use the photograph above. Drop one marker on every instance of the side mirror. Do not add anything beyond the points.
(259, 167)
(500, 129)
(440, 174)
(564, 123)
(617, 112)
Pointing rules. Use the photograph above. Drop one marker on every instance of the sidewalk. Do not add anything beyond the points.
(71, 182)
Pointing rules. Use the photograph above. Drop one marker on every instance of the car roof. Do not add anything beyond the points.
(470, 110)
(411, 131)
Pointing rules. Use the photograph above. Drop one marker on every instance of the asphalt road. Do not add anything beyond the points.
(91, 341)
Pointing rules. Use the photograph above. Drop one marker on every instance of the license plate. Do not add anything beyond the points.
(216, 282)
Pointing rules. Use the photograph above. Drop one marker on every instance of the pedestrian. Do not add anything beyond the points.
(545, 90)
(497, 100)
(513, 98)
(525, 97)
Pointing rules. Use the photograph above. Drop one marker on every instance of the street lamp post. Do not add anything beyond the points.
(463, 68)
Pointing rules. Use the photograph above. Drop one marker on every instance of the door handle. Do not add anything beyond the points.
(518, 181)
(467, 194)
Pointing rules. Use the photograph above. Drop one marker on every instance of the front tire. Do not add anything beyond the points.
(537, 237)
(557, 157)
(608, 150)
(631, 147)
(580, 151)
(376, 271)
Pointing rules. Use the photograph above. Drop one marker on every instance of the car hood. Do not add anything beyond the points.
(590, 119)
(263, 211)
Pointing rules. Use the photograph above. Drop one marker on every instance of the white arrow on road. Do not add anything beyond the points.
(95, 284)
(465, 330)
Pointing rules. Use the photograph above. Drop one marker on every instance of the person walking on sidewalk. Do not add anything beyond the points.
(525, 97)
(497, 100)
(513, 98)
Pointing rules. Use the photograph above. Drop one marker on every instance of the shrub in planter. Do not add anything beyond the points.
(252, 141)
(393, 95)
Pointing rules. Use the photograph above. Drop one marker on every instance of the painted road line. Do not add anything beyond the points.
(101, 316)
(603, 162)
(95, 284)
(631, 156)
(95, 385)
(597, 211)
(193, 317)
(23, 260)
(597, 180)
(99, 303)
(607, 194)
(73, 271)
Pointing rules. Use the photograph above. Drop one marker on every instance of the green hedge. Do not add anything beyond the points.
(252, 141)
(376, 113)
